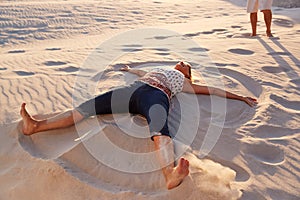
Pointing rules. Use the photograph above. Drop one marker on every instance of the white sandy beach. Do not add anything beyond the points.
(56, 54)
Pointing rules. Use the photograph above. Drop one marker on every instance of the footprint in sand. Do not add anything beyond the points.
(241, 51)
(17, 51)
(199, 49)
(272, 70)
(264, 152)
(23, 73)
(53, 49)
(235, 26)
(226, 64)
(295, 105)
(162, 37)
(163, 53)
(98, 19)
(69, 69)
(192, 34)
(221, 64)
(132, 49)
(271, 131)
(219, 30)
(283, 22)
(184, 16)
(54, 63)
(207, 32)
(162, 49)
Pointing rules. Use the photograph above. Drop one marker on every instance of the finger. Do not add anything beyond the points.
(250, 102)
(124, 69)
(253, 99)
(253, 103)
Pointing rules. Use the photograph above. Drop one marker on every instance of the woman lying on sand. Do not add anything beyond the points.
(156, 87)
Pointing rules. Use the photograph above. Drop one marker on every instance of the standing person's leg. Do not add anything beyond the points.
(252, 8)
(268, 21)
(265, 7)
(31, 125)
(253, 20)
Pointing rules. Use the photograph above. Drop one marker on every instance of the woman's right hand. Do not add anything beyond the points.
(250, 101)
(126, 68)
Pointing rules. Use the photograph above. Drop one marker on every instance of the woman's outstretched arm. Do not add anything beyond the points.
(138, 72)
(189, 87)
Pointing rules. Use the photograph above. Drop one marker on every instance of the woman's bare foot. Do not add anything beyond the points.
(269, 34)
(178, 174)
(29, 124)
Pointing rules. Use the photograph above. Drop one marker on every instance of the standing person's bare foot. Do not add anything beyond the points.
(269, 34)
(178, 174)
(29, 124)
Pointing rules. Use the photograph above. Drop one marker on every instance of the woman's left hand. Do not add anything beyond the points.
(250, 101)
(126, 68)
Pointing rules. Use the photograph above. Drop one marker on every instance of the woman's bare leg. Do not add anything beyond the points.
(268, 21)
(173, 175)
(31, 125)
(253, 20)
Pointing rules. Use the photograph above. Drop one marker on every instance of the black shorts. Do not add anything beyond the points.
(137, 98)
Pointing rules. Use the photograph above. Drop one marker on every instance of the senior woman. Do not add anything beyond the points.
(153, 88)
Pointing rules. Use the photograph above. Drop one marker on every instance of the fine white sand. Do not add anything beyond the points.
(55, 55)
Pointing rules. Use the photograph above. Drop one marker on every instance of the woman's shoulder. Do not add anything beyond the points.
(167, 71)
